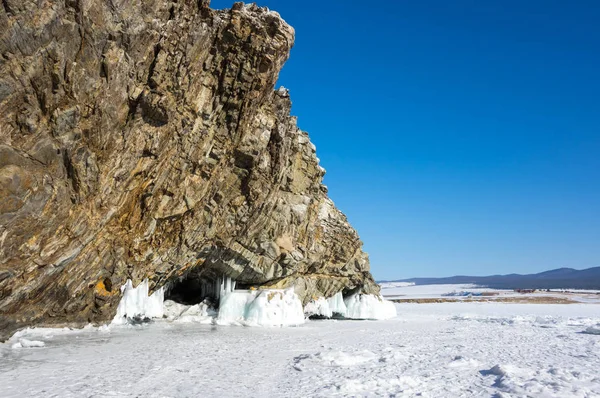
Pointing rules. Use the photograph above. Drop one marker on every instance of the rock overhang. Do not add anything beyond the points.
(150, 143)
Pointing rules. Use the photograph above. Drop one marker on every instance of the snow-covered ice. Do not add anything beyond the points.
(404, 290)
(467, 349)
(401, 290)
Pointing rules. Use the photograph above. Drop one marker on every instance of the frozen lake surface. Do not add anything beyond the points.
(402, 290)
(429, 350)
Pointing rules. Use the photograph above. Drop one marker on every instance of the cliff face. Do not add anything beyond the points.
(144, 139)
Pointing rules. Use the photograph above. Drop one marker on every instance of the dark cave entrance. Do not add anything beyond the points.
(193, 289)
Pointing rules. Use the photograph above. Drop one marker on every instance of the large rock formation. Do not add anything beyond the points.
(144, 139)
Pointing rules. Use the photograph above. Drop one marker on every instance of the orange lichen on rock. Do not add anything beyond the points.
(101, 289)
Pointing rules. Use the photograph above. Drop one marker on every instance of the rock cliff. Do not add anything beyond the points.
(145, 139)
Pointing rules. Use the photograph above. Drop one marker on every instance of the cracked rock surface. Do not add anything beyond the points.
(145, 139)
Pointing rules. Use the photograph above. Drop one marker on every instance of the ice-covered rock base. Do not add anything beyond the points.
(357, 306)
(136, 305)
(326, 308)
(368, 306)
(269, 307)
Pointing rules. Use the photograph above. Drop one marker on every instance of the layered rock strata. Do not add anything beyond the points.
(145, 139)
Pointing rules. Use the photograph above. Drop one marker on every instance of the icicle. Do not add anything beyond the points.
(136, 302)
(272, 307)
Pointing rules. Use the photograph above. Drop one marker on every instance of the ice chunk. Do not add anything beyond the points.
(173, 309)
(368, 306)
(198, 313)
(24, 343)
(180, 313)
(269, 307)
(136, 303)
(592, 330)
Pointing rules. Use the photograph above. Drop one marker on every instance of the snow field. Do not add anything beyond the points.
(428, 350)
(398, 290)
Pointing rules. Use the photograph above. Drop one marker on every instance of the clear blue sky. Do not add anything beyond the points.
(459, 137)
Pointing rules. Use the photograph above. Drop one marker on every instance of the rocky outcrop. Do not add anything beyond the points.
(144, 139)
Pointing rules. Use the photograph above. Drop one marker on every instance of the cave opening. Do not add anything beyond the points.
(194, 288)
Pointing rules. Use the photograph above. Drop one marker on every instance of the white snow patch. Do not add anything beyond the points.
(326, 209)
(49, 333)
(460, 361)
(284, 92)
(390, 285)
(368, 306)
(340, 358)
(136, 302)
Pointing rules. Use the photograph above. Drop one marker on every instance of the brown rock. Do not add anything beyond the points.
(145, 139)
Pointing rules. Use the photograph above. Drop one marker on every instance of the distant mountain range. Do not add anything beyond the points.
(561, 278)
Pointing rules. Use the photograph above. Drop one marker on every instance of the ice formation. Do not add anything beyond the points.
(136, 303)
(326, 307)
(592, 330)
(337, 305)
(181, 313)
(269, 307)
(368, 306)
(25, 343)
(227, 286)
(318, 307)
